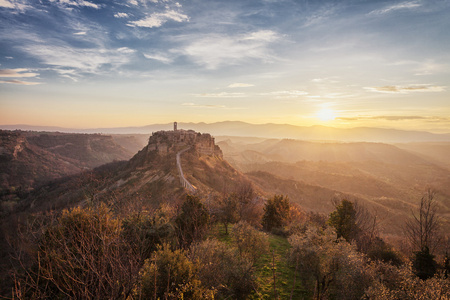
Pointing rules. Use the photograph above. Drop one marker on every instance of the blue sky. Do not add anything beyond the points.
(86, 63)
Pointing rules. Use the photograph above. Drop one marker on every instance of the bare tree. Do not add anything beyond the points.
(422, 229)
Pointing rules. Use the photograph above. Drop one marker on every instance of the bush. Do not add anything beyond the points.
(81, 256)
(144, 233)
(250, 242)
(424, 265)
(221, 268)
(170, 275)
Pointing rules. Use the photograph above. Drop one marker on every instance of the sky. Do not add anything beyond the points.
(111, 63)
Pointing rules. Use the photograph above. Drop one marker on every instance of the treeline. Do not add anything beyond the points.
(179, 252)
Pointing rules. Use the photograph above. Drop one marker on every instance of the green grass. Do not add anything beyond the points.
(284, 273)
(264, 268)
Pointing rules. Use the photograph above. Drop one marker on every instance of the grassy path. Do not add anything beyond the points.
(279, 246)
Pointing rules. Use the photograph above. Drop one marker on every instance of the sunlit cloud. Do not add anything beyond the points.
(17, 73)
(19, 82)
(240, 85)
(220, 95)
(393, 118)
(121, 15)
(215, 50)
(80, 33)
(394, 89)
(398, 6)
(15, 5)
(158, 19)
(204, 105)
(286, 94)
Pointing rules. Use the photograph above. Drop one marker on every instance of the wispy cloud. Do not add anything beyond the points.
(84, 60)
(393, 118)
(319, 17)
(215, 50)
(158, 19)
(159, 56)
(240, 85)
(220, 95)
(286, 94)
(395, 89)
(75, 3)
(17, 73)
(398, 6)
(204, 105)
(19, 82)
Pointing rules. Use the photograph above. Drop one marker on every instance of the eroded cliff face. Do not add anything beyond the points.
(29, 159)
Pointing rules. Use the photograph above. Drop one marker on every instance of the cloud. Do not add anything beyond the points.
(15, 5)
(220, 95)
(17, 73)
(158, 19)
(80, 33)
(204, 105)
(398, 6)
(121, 15)
(320, 17)
(162, 57)
(240, 85)
(76, 3)
(285, 94)
(215, 50)
(395, 89)
(88, 60)
(392, 118)
(19, 82)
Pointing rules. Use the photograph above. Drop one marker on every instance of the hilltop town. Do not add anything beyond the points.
(166, 141)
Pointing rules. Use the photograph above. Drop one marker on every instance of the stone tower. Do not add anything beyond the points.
(175, 126)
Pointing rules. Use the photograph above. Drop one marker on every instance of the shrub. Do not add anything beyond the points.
(81, 256)
(250, 241)
(170, 275)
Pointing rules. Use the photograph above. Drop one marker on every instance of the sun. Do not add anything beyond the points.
(326, 114)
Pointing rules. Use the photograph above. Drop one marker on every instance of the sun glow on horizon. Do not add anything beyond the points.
(326, 114)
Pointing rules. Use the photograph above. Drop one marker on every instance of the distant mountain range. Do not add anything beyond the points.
(280, 131)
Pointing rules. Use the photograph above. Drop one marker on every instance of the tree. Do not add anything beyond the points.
(81, 256)
(422, 229)
(276, 212)
(192, 221)
(330, 268)
(343, 219)
(144, 232)
(250, 241)
(228, 210)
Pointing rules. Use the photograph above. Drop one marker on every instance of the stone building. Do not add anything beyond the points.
(164, 141)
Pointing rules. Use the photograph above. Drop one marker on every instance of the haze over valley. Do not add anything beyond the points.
(239, 149)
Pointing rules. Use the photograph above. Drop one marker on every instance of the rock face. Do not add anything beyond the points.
(28, 159)
(165, 142)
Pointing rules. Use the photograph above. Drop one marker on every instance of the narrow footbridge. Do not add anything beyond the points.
(186, 184)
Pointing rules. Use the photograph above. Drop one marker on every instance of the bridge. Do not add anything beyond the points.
(186, 184)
